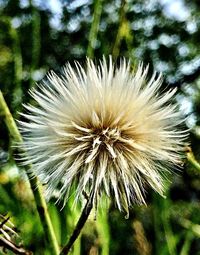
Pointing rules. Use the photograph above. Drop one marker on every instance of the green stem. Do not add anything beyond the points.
(191, 227)
(36, 42)
(119, 36)
(103, 229)
(187, 243)
(124, 32)
(169, 235)
(80, 224)
(94, 28)
(17, 59)
(191, 159)
(34, 183)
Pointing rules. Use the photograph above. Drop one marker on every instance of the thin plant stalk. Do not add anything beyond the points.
(191, 159)
(34, 183)
(171, 239)
(80, 224)
(123, 33)
(17, 58)
(119, 35)
(156, 224)
(73, 214)
(17, 61)
(103, 229)
(36, 41)
(187, 243)
(94, 28)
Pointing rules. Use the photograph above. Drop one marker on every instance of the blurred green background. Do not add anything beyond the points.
(36, 36)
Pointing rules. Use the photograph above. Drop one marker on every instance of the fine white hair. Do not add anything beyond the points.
(104, 129)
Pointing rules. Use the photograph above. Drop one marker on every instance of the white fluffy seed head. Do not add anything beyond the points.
(103, 129)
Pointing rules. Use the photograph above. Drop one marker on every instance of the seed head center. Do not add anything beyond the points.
(106, 138)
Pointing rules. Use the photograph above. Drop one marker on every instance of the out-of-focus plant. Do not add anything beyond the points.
(140, 31)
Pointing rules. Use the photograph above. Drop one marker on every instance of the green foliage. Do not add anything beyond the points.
(34, 39)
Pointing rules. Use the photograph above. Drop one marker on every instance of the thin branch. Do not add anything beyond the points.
(80, 224)
(4, 221)
(34, 183)
(8, 235)
(6, 244)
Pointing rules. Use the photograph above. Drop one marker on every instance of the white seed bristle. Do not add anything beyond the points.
(105, 129)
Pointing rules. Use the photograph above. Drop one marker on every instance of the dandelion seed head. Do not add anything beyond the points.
(105, 129)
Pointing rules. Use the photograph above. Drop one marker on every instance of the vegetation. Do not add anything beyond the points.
(36, 37)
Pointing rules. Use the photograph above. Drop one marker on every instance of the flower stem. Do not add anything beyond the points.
(80, 224)
(34, 183)
(94, 28)
(191, 159)
(119, 35)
